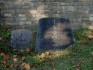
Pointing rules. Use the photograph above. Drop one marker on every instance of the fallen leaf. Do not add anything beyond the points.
(23, 58)
(3, 62)
(8, 65)
(85, 43)
(42, 55)
(6, 57)
(32, 65)
(28, 50)
(2, 54)
(1, 39)
(25, 66)
(15, 59)
(90, 36)
(47, 53)
(77, 69)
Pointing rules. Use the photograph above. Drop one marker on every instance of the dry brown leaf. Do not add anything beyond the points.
(90, 36)
(23, 58)
(25, 66)
(28, 50)
(8, 65)
(2, 54)
(77, 69)
(3, 62)
(47, 53)
(6, 57)
(43, 55)
(85, 42)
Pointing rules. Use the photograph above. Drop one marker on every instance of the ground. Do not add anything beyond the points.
(79, 56)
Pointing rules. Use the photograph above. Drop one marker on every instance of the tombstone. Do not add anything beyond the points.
(53, 33)
(20, 39)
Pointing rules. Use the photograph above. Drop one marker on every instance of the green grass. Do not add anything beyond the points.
(77, 57)
(5, 44)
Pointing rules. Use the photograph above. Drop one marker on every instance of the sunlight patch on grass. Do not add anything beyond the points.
(54, 54)
(60, 53)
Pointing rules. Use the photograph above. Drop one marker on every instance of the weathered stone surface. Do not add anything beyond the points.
(20, 39)
(36, 9)
(53, 33)
(91, 17)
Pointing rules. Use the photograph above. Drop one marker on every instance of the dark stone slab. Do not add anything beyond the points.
(20, 39)
(54, 33)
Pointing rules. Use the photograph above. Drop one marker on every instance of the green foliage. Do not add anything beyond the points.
(34, 32)
(81, 34)
(80, 57)
(33, 60)
(5, 43)
(1, 57)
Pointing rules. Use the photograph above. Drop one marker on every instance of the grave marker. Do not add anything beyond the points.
(20, 39)
(54, 33)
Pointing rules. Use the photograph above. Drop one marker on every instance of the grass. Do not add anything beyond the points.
(77, 57)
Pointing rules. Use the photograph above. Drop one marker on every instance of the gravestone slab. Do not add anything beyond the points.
(53, 33)
(20, 39)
